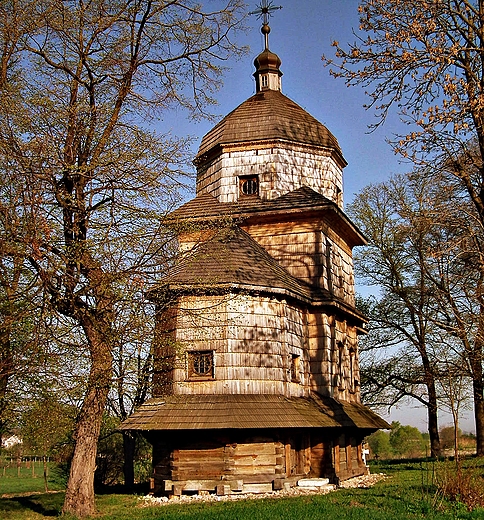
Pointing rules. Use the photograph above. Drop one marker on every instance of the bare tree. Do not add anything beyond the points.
(395, 262)
(425, 60)
(81, 83)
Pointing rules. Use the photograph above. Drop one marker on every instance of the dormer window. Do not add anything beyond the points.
(249, 186)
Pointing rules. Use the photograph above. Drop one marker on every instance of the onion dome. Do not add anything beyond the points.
(267, 73)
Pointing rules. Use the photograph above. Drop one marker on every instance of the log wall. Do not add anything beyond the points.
(183, 462)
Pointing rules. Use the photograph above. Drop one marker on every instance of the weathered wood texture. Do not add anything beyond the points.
(311, 252)
(254, 340)
(237, 459)
(281, 169)
(347, 455)
(256, 343)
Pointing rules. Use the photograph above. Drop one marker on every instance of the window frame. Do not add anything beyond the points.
(243, 180)
(191, 359)
(295, 368)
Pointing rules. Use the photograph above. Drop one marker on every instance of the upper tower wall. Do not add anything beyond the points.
(269, 146)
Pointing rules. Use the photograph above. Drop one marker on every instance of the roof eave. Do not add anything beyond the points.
(223, 288)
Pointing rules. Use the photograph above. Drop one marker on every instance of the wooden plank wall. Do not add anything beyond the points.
(280, 170)
(254, 340)
(311, 251)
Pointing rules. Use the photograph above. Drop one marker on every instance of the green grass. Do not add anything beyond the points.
(29, 481)
(407, 495)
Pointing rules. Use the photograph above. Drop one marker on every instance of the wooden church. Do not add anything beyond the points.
(256, 381)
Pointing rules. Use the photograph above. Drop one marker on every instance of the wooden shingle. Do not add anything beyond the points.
(232, 258)
(192, 412)
(269, 115)
(300, 202)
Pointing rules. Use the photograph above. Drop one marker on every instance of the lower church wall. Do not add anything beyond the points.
(251, 461)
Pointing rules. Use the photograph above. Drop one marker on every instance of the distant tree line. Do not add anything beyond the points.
(407, 442)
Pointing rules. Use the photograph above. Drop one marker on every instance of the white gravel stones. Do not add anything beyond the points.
(365, 481)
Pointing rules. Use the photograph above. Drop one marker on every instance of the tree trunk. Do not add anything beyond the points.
(129, 444)
(479, 416)
(79, 500)
(46, 484)
(435, 449)
(432, 407)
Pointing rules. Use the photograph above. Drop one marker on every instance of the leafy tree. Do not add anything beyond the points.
(80, 83)
(448, 435)
(454, 383)
(110, 468)
(380, 446)
(425, 59)
(18, 296)
(406, 441)
(133, 364)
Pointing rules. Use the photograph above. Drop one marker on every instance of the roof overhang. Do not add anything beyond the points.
(238, 412)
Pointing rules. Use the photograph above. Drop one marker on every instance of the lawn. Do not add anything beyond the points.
(407, 494)
(29, 477)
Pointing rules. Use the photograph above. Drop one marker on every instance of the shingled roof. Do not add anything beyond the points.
(206, 207)
(200, 412)
(232, 258)
(269, 115)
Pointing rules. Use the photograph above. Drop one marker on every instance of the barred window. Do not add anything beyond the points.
(200, 364)
(249, 185)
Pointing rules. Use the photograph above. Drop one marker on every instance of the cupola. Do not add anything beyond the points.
(269, 146)
(267, 72)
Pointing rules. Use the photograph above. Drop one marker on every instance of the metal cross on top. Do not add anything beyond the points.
(265, 9)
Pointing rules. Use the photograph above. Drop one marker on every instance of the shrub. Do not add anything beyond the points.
(460, 484)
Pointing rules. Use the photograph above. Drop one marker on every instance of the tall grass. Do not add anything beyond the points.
(461, 482)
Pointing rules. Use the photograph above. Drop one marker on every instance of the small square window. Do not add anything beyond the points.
(249, 186)
(200, 364)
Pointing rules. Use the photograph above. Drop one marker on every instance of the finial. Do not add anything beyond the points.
(264, 11)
